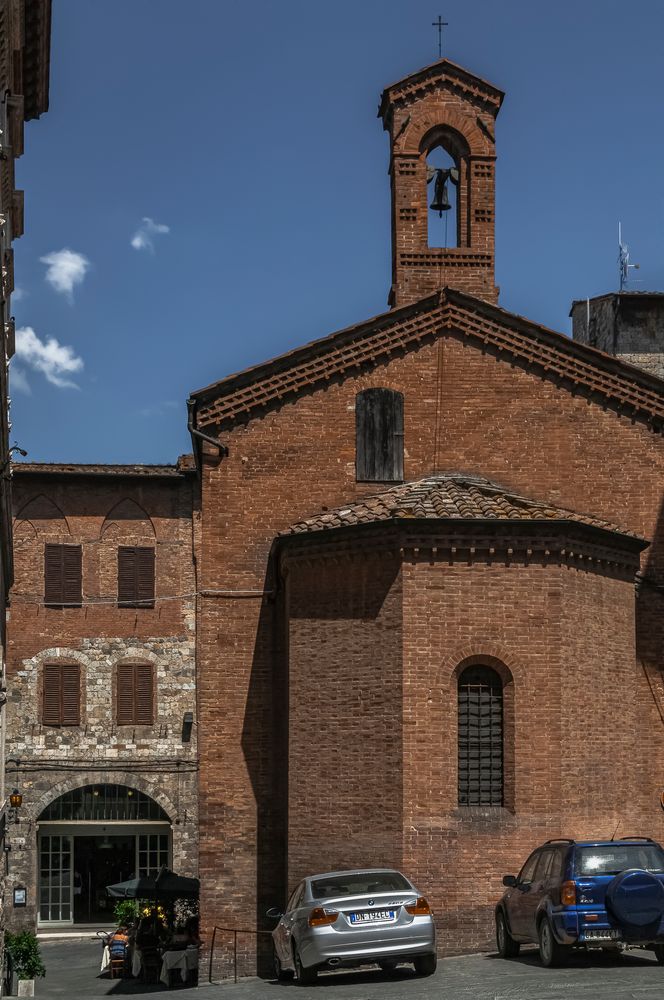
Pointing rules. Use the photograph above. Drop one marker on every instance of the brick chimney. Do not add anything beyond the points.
(442, 109)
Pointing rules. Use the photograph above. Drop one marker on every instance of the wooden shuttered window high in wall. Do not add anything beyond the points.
(135, 699)
(62, 575)
(61, 699)
(379, 436)
(480, 735)
(136, 576)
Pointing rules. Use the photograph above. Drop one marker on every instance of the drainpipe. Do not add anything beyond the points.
(195, 433)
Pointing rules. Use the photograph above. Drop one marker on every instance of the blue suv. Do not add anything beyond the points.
(585, 894)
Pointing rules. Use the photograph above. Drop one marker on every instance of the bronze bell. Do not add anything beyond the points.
(440, 203)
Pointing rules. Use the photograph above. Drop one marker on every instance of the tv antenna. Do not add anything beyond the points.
(623, 260)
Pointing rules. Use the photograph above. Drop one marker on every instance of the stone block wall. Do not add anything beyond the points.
(629, 325)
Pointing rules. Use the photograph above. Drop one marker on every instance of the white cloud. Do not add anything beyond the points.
(143, 237)
(66, 268)
(18, 294)
(54, 360)
(18, 380)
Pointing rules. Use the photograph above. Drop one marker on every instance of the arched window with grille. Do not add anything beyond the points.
(481, 737)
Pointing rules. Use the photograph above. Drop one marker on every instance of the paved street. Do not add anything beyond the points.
(72, 968)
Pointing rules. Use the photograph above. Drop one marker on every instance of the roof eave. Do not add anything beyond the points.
(626, 542)
(490, 88)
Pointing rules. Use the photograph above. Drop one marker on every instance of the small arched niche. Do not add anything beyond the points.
(446, 154)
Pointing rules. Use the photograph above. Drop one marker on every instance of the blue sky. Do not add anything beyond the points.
(247, 134)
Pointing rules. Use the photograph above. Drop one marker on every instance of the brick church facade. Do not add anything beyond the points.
(429, 572)
(444, 506)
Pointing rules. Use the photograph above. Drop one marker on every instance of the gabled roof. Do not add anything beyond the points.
(553, 355)
(450, 496)
(438, 73)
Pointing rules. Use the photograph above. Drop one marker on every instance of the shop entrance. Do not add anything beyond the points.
(92, 838)
(98, 862)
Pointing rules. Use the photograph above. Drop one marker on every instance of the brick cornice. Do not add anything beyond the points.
(471, 542)
(442, 74)
(551, 355)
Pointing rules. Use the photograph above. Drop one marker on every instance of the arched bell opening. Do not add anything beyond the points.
(443, 191)
(446, 158)
(92, 837)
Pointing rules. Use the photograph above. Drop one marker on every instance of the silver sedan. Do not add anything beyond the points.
(353, 918)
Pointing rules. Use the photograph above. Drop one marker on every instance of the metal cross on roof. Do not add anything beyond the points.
(440, 24)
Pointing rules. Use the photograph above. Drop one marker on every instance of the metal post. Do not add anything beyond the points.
(235, 954)
(214, 934)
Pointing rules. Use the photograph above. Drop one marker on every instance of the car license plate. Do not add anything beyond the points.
(601, 935)
(371, 916)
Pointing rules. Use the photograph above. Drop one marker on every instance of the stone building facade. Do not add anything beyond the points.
(25, 40)
(629, 325)
(444, 502)
(104, 794)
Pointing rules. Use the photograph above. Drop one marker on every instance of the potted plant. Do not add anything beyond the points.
(125, 912)
(23, 949)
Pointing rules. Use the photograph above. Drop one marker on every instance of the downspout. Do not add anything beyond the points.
(199, 435)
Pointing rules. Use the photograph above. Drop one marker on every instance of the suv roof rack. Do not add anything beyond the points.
(562, 840)
(648, 840)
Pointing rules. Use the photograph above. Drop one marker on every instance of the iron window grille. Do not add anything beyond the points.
(481, 763)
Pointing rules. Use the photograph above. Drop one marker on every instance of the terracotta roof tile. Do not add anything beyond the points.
(75, 469)
(447, 496)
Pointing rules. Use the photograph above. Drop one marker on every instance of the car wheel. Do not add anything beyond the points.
(659, 953)
(507, 946)
(425, 965)
(304, 976)
(388, 966)
(551, 953)
(279, 972)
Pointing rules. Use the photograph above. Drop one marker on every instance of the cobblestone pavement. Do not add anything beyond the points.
(72, 969)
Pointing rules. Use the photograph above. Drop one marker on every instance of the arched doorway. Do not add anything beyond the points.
(89, 838)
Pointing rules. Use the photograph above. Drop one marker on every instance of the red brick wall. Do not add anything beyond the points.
(84, 511)
(566, 636)
(345, 709)
(464, 409)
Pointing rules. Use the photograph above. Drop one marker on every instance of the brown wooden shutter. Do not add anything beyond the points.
(145, 577)
(71, 694)
(52, 696)
(62, 575)
(61, 701)
(125, 697)
(379, 435)
(126, 576)
(136, 576)
(72, 582)
(135, 698)
(143, 687)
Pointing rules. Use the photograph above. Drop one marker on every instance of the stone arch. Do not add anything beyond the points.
(127, 518)
(115, 777)
(43, 516)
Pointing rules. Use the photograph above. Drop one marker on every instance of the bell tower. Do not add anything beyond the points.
(441, 122)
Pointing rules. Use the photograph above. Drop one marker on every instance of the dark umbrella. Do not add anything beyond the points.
(166, 886)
